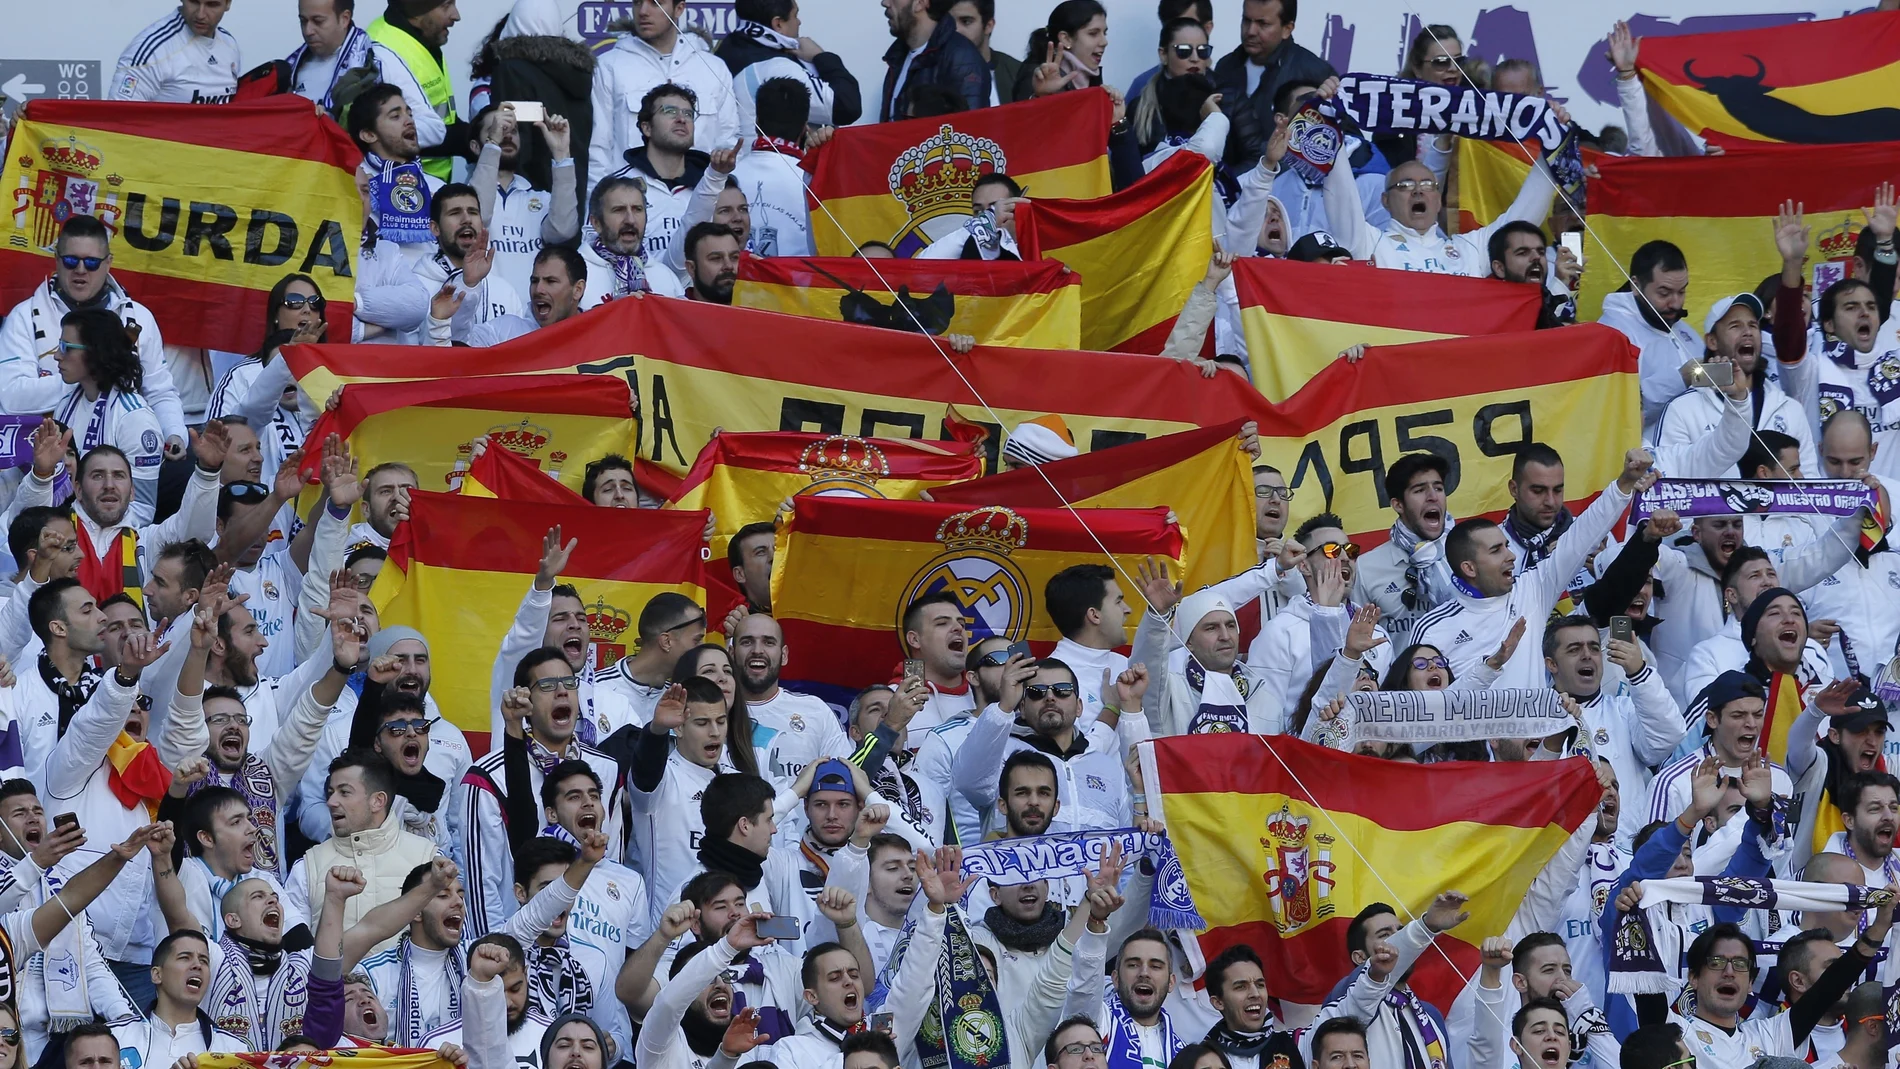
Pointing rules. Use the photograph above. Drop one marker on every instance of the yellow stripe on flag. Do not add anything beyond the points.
(1489, 176)
(1295, 348)
(883, 217)
(1028, 321)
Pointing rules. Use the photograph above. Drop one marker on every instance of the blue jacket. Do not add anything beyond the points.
(948, 59)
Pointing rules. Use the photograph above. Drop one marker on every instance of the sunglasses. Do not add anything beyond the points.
(554, 683)
(1441, 62)
(72, 347)
(409, 727)
(697, 621)
(995, 658)
(72, 262)
(247, 491)
(1190, 51)
(10, 1035)
(297, 302)
(1336, 550)
(1036, 692)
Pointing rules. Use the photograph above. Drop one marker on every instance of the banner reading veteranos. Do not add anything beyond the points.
(1736, 497)
(208, 207)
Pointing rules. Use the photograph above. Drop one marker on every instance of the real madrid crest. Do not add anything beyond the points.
(843, 465)
(976, 1034)
(976, 569)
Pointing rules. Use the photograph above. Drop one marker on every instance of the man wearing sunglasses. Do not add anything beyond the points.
(1492, 595)
(669, 625)
(1038, 710)
(82, 278)
(1303, 637)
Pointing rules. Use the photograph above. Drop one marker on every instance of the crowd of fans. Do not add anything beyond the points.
(266, 837)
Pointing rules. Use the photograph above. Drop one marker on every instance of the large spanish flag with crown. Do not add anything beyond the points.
(208, 207)
(1825, 82)
(846, 567)
(1202, 475)
(1034, 305)
(1299, 317)
(559, 422)
(1139, 251)
(909, 183)
(1721, 209)
(460, 566)
(745, 478)
(1283, 843)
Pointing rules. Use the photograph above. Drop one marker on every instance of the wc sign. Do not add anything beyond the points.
(714, 17)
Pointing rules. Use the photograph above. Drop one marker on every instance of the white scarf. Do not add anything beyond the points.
(771, 38)
(63, 970)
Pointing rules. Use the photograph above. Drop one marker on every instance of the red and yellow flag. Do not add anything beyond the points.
(1299, 317)
(559, 422)
(744, 478)
(137, 775)
(501, 472)
(1284, 843)
(1828, 82)
(1033, 305)
(1720, 210)
(846, 567)
(460, 566)
(1202, 475)
(208, 207)
(908, 183)
(1139, 251)
(354, 1057)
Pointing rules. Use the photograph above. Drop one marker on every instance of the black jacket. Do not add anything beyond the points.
(1289, 63)
(1245, 142)
(696, 164)
(847, 103)
(948, 59)
(560, 74)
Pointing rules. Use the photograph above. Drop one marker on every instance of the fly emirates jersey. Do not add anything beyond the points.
(170, 64)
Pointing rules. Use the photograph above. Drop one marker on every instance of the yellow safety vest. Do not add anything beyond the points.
(428, 73)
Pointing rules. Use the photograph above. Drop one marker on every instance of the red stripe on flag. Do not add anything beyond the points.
(1078, 478)
(1377, 296)
(285, 129)
(488, 534)
(1746, 184)
(1044, 226)
(1803, 53)
(1050, 530)
(1321, 951)
(965, 278)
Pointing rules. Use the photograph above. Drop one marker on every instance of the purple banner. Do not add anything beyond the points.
(1734, 497)
(16, 440)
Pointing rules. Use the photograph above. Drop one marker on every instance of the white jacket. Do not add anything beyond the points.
(77, 781)
(1865, 602)
(774, 188)
(1031, 987)
(488, 866)
(1399, 246)
(1692, 415)
(603, 287)
(1467, 629)
(1662, 354)
(169, 63)
(1724, 652)
(391, 302)
(1091, 785)
(1379, 579)
(1635, 726)
(29, 358)
(1822, 387)
(625, 72)
(1299, 641)
(490, 299)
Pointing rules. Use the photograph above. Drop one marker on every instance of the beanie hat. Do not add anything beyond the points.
(381, 641)
(1751, 619)
(607, 1052)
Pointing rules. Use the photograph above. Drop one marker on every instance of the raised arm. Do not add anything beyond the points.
(87, 884)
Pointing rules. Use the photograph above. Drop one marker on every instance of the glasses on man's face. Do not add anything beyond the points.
(222, 719)
(697, 621)
(554, 683)
(1422, 185)
(1445, 62)
(1187, 51)
(1336, 550)
(995, 658)
(1739, 964)
(1036, 692)
(362, 581)
(1277, 493)
(72, 347)
(247, 491)
(297, 302)
(1076, 1050)
(1426, 664)
(418, 727)
(72, 263)
(675, 111)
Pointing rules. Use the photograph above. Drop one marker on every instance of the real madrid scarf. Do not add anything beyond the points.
(1537, 544)
(71, 696)
(1219, 699)
(630, 273)
(63, 970)
(1641, 964)
(253, 780)
(399, 197)
(1430, 717)
(966, 1030)
(1427, 576)
(408, 1007)
(232, 1001)
(1316, 139)
(556, 982)
(1123, 1037)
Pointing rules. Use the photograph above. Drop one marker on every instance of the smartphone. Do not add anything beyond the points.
(64, 819)
(913, 668)
(785, 928)
(1620, 630)
(1021, 649)
(882, 1022)
(527, 111)
(1572, 240)
(1715, 373)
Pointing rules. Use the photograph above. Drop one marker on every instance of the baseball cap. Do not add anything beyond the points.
(1317, 246)
(1722, 307)
(1864, 711)
(833, 775)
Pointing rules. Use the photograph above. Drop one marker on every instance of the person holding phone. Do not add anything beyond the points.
(1520, 254)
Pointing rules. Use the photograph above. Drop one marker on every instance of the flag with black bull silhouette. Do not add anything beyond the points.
(1033, 305)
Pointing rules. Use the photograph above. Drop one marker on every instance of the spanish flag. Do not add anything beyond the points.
(557, 422)
(1825, 82)
(1139, 251)
(1300, 316)
(1283, 843)
(460, 566)
(1202, 475)
(356, 1057)
(1486, 179)
(137, 776)
(745, 478)
(1035, 305)
(994, 560)
(909, 183)
(1720, 210)
(208, 207)
(501, 472)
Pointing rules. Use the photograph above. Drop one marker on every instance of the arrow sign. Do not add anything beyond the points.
(18, 88)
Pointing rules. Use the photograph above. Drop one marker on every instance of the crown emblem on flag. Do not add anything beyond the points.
(71, 155)
(1838, 242)
(524, 438)
(606, 623)
(994, 529)
(1287, 830)
(941, 173)
(844, 457)
(115, 179)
